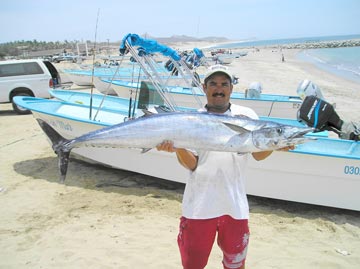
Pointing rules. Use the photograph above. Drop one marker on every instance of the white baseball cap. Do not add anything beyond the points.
(218, 68)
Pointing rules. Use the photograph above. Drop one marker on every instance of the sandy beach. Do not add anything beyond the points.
(107, 218)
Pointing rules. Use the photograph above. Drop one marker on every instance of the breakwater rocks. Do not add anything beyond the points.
(323, 44)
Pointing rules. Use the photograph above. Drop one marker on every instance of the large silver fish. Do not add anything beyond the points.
(198, 131)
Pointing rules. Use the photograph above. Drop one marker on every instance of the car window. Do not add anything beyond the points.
(19, 69)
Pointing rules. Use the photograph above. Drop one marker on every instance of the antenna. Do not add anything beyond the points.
(198, 27)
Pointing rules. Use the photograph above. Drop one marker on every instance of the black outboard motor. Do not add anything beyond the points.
(321, 115)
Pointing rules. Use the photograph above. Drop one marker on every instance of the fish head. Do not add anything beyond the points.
(281, 136)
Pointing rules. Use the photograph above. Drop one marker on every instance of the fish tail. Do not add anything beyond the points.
(58, 145)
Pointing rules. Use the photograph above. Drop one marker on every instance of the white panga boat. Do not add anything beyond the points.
(78, 77)
(128, 72)
(270, 105)
(322, 172)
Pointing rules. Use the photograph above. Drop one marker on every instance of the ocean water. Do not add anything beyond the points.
(344, 62)
(254, 43)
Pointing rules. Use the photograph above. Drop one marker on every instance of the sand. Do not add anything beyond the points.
(265, 66)
(107, 218)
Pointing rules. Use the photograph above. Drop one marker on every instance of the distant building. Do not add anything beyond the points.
(43, 53)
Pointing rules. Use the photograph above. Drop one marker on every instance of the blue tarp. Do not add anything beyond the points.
(198, 53)
(150, 46)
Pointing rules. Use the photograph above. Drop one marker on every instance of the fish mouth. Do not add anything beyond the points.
(301, 132)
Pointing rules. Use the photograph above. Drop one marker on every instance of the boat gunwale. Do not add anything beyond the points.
(293, 99)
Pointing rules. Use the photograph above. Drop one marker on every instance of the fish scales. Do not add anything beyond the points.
(201, 131)
(197, 131)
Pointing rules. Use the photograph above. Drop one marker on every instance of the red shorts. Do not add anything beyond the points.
(196, 238)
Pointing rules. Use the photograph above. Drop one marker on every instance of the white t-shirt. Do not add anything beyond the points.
(217, 186)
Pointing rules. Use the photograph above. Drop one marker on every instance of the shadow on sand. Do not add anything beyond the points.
(98, 177)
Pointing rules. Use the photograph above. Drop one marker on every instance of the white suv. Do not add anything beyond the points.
(26, 78)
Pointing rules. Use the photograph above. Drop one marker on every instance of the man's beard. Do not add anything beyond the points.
(218, 108)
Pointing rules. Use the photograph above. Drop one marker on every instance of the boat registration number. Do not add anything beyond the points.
(351, 170)
(296, 106)
(60, 124)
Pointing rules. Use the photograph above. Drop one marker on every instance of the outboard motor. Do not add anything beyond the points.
(307, 88)
(321, 115)
(254, 90)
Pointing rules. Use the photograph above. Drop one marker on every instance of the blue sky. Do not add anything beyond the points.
(46, 20)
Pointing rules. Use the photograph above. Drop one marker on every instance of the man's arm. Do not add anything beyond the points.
(185, 157)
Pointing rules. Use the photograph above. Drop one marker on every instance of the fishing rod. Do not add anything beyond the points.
(136, 94)
(93, 66)
(108, 87)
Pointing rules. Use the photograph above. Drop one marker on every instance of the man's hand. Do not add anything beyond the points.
(287, 148)
(185, 157)
(262, 155)
(166, 145)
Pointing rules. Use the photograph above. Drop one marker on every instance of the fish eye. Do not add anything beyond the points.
(279, 130)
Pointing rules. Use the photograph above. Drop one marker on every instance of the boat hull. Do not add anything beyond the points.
(306, 178)
(292, 176)
(103, 87)
(80, 79)
(323, 172)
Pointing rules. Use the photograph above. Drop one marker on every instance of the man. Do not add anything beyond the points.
(215, 200)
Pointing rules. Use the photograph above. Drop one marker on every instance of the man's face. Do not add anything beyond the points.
(218, 89)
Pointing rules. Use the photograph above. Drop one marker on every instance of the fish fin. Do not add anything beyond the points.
(236, 128)
(58, 146)
(242, 116)
(145, 150)
(63, 162)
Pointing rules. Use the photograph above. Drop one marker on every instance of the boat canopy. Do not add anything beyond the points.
(198, 53)
(148, 46)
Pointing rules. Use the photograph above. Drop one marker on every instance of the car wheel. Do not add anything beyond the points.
(18, 109)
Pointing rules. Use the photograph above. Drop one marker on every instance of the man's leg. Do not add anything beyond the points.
(195, 240)
(233, 239)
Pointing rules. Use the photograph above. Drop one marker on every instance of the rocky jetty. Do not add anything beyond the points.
(323, 44)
